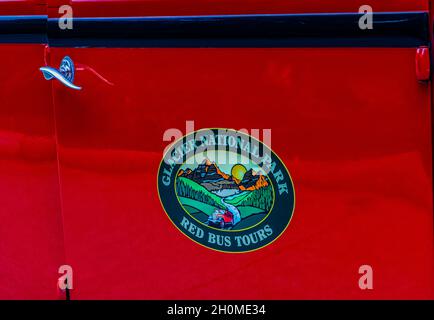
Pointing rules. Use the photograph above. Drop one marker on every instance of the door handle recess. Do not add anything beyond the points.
(65, 73)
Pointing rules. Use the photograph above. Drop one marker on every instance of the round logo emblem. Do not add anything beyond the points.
(67, 68)
(226, 190)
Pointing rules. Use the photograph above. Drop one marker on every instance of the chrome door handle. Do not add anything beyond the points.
(65, 73)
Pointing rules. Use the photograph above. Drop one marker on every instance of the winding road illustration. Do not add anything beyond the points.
(232, 209)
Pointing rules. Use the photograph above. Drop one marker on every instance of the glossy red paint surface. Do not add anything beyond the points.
(31, 237)
(353, 126)
(23, 7)
(112, 8)
(109, 8)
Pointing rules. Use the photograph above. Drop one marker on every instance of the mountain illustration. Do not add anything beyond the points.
(253, 181)
(212, 178)
(216, 198)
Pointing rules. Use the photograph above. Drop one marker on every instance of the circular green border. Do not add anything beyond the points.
(168, 149)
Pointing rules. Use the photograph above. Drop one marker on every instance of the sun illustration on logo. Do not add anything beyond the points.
(226, 190)
(238, 171)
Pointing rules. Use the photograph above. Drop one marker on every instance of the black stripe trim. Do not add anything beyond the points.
(23, 29)
(401, 29)
(289, 30)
